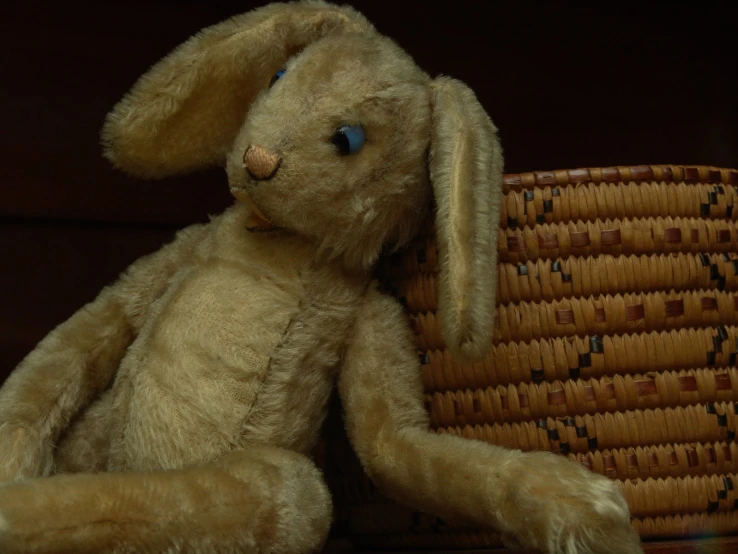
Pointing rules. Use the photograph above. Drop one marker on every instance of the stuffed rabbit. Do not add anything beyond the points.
(177, 411)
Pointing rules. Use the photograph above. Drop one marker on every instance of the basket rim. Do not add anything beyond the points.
(625, 173)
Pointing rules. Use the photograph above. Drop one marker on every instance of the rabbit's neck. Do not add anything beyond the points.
(279, 247)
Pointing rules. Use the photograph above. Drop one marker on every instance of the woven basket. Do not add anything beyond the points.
(615, 345)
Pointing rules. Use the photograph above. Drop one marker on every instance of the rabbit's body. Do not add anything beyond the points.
(223, 358)
(175, 412)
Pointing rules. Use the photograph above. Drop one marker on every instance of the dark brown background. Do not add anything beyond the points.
(569, 85)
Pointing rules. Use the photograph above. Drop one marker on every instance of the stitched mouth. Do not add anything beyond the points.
(257, 222)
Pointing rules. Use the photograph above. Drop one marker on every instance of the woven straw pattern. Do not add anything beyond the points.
(615, 345)
(586, 276)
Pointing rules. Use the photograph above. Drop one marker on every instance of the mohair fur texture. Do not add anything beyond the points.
(177, 411)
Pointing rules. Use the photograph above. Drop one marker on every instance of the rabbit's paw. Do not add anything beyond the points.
(559, 507)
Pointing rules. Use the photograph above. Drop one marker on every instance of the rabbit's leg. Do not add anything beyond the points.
(260, 500)
(78, 359)
(542, 500)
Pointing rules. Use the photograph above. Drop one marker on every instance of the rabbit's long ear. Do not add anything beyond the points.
(466, 171)
(186, 111)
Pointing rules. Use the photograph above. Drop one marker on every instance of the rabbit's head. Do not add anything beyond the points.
(336, 148)
(329, 130)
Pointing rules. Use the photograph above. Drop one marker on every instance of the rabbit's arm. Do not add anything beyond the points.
(542, 500)
(77, 360)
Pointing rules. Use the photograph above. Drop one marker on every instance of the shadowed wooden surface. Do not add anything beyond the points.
(727, 545)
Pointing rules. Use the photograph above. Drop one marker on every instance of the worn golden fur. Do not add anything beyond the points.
(177, 411)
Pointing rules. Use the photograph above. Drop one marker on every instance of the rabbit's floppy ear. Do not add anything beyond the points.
(186, 111)
(466, 168)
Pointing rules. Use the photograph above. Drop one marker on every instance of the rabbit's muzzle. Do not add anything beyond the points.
(260, 164)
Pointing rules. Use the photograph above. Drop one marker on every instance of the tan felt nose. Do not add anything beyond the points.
(260, 163)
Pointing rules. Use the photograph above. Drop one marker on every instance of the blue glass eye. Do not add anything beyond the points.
(277, 77)
(349, 139)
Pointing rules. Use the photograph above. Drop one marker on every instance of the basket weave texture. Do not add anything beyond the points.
(615, 345)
